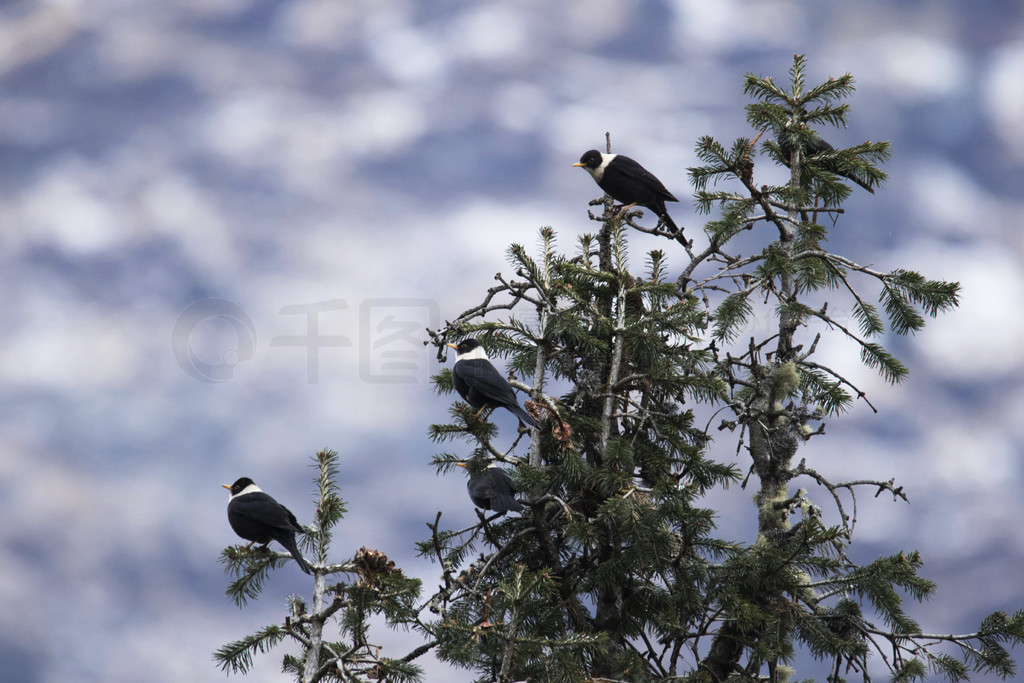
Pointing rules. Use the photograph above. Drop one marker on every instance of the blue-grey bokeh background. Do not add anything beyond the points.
(373, 158)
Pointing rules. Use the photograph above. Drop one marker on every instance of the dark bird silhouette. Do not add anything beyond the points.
(258, 518)
(493, 489)
(480, 384)
(818, 146)
(628, 182)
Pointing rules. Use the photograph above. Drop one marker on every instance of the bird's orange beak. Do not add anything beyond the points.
(226, 486)
(579, 163)
(452, 346)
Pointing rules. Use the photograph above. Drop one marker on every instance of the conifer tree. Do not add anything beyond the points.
(614, 571)
(377, 587)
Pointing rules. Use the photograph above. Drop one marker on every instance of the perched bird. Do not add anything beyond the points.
(493, 489)
(257, 517)
(816, 146)
(480, 384)
(628, 182)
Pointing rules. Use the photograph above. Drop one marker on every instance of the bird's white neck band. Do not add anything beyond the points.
(598, 172)
(251, 488)
(476, 354)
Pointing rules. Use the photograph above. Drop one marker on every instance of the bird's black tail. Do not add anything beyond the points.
(505, 502)
(525, 416)
(669, 223)
(293, 548)
(858, 181)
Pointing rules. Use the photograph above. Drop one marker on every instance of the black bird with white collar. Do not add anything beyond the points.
(480, 384)
(815, 145)
(492, 489)
(258, 518)
(628, 182)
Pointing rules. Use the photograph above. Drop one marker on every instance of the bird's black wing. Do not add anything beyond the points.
(490, 483)
(460, 384)
(260, 507)
(818, 146)
(495, 487)
(258, 517)
(483, 379)
(633, 170)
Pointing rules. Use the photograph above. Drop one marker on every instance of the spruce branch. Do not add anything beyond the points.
(849, 521)
(236, 657)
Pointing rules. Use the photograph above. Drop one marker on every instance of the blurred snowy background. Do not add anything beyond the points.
(363, 164)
